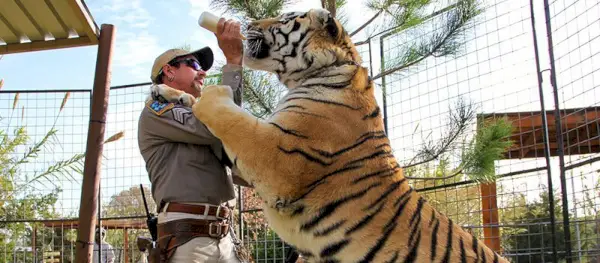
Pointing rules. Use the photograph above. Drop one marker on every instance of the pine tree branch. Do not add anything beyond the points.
(260, 101)
(458, 16)
(458, 125)
(257, 99)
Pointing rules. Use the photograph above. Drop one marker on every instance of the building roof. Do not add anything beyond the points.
(580, 131)
(34, 25)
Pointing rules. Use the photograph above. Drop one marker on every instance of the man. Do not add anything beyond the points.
(185, 162)
(108, 254)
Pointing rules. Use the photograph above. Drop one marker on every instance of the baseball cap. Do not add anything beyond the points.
(203, 55)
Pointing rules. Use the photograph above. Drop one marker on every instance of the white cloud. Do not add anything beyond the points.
(135, 47)
(199, 6)
(136, 52)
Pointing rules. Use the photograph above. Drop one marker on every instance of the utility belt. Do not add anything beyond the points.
(175, 233)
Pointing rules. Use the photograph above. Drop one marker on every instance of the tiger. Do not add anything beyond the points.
(322, 162)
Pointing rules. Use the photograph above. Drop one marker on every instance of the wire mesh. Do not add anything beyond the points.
(43, 140)
(575, 32)
(495, 73)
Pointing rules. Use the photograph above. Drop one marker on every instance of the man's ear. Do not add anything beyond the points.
(167, 68)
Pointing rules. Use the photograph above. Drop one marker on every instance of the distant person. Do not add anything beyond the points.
(108, 254)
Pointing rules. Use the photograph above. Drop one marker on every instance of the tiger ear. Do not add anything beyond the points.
(328, 23)
(332, 28)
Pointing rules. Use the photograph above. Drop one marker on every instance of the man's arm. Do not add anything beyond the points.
(232, 76)
(228, 37)
(174, 123)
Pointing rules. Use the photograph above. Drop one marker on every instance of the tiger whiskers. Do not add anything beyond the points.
(255, 40)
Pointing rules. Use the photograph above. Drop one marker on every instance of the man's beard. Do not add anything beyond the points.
(197, 87)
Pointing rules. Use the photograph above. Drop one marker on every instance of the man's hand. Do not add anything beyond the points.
(230, 42)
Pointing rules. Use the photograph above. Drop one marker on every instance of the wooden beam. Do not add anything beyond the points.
(32, 21)
(58, 18)
(11, 28)
(45, 45)
(81, 13)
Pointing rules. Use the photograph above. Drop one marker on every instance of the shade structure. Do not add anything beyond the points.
(35, 25)
(579, 128)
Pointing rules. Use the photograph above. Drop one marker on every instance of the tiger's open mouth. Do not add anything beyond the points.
(257, 48)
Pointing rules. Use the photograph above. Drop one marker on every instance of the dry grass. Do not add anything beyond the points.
(64, 101)
(15, 101)
(117, 136)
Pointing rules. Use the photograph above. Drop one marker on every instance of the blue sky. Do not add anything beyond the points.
(144, 29)
(497, 72)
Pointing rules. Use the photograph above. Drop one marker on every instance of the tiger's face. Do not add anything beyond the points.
(297, 43)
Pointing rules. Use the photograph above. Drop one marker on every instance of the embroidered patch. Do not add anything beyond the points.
(179, 115)
(159, 108)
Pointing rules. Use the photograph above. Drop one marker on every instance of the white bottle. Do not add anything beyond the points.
(210, 21)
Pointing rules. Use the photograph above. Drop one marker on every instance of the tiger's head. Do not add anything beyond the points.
(296, 44)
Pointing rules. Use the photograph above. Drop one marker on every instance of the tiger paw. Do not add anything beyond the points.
(187, 100)
(164, 93)
(217, 91)
(213, 96)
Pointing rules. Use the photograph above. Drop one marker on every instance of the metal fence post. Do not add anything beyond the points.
(545, 135)
(559, 137)
(383, 91)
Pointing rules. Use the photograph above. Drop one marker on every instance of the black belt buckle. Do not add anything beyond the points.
(214, 229)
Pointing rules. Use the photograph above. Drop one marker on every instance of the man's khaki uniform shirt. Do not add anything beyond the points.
(182, 157)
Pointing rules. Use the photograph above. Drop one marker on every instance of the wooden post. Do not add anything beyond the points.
(93, 158)
(33, 243)
(126, 241)
(489, 205)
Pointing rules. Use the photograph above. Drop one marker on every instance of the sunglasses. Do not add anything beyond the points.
(190, 62)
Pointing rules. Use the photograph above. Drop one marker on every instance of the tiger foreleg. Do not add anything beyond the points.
(251, 144)
(164, 93)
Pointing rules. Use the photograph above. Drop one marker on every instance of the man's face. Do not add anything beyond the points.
(189, 77)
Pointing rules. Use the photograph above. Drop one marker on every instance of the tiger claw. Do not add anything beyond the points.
(187, 100)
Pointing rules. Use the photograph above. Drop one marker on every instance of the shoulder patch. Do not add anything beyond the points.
(159, 108)
(179, 114)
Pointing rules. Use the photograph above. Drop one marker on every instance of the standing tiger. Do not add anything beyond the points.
(322, 162)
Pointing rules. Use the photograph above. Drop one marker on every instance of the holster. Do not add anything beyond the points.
(173, 234)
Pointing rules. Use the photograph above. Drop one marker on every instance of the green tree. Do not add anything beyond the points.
(530, 237)
(20, 200)
(128, 203)
(27, 196)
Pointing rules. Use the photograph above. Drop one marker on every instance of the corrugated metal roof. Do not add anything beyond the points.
(33, 25)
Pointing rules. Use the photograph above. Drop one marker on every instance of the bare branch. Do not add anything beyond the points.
(366, 23)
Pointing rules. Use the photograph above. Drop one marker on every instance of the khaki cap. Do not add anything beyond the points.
(204, 56)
